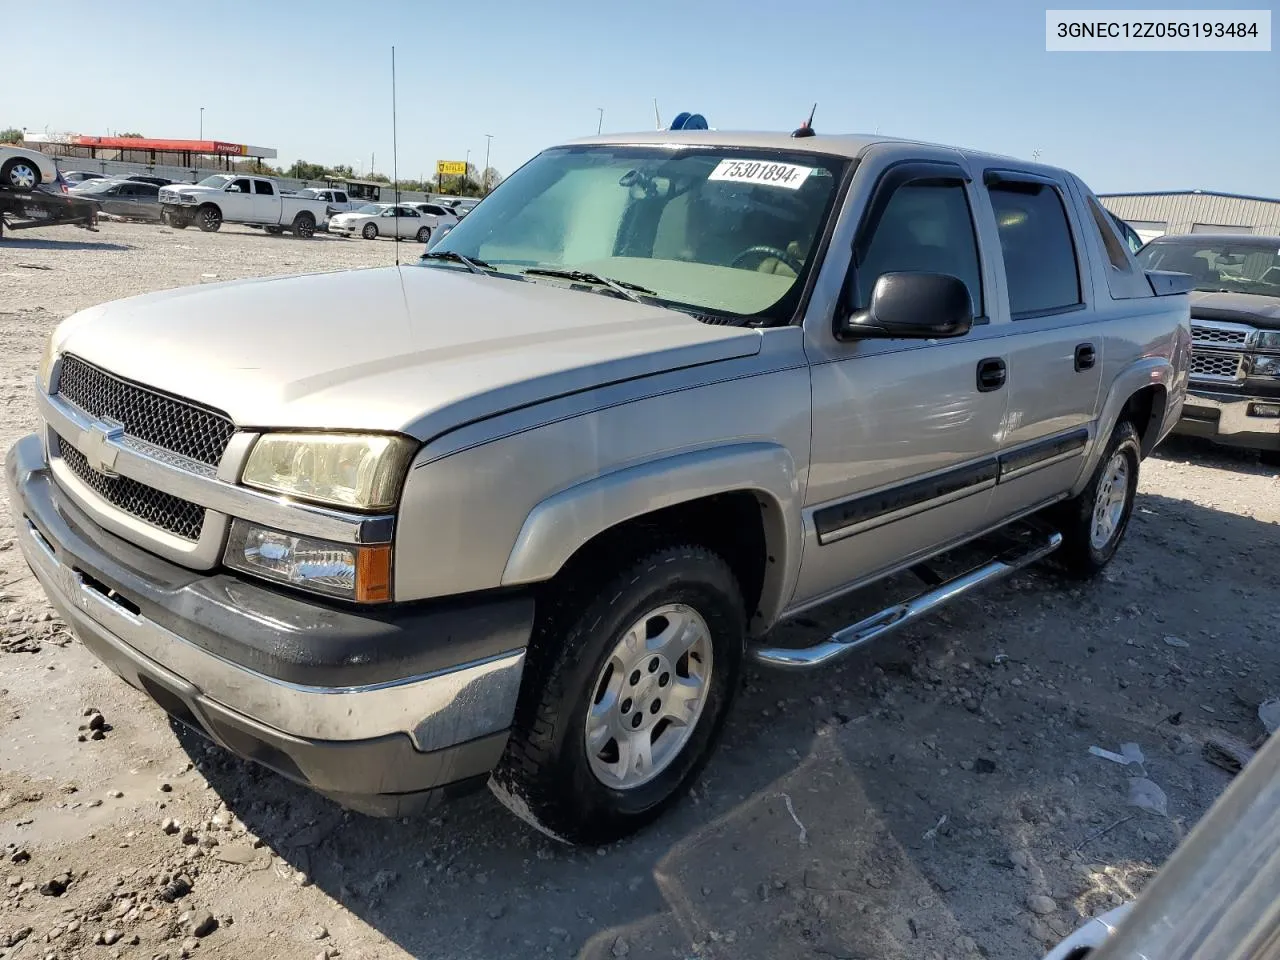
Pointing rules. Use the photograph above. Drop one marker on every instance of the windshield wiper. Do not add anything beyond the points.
(620, 287)
(474, 264)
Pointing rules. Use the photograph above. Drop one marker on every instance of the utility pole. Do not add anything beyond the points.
(600, 122)
(202, 123)
(484, 187)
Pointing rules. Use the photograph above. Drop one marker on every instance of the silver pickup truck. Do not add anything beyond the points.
(522, 517)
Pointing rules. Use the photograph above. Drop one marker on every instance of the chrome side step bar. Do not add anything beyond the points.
(850, 638)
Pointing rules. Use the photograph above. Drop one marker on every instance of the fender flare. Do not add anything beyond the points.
(1142, 373)
(560, 524)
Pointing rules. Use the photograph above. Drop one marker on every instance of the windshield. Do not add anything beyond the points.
(710, 230)
(1221, 266)
(370, 208)
(95, 186)
(217, 181)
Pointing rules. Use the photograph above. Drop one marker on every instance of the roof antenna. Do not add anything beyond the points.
(395, 175)
(806, 129)
(657, 117)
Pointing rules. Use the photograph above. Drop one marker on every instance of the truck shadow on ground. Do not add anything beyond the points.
(10, 242)
(905, 803)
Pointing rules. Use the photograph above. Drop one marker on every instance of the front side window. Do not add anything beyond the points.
(1039, 255)
(709, 230)
(926, 227)
(242, 185)
(1219, 265)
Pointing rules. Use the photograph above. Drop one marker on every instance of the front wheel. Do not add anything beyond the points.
(370, 231)
(424, 234)
(210, 219)
(625, 690)
(1093, 523)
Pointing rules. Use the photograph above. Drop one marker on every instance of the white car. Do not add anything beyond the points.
(25, 169)
(375, 220)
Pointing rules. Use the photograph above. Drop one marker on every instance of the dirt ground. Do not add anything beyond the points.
(932, 797)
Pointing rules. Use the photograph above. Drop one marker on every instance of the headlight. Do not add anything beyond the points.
(345, 470)
(360, 573)
(1267, 340)
(46, 365)
(1266, 367)
(187, 197)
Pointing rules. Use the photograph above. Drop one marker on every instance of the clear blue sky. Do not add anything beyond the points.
(313, 80)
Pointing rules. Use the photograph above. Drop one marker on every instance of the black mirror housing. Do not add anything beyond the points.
(920, 306)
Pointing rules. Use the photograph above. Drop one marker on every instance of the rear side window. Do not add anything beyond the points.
(263, 187)
(926, 227)
(1039, 254)
(1115, 249)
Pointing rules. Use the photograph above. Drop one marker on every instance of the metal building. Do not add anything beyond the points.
(1194, 211)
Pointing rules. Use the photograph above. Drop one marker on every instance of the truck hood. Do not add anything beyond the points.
(413, 349)
(1250, 308)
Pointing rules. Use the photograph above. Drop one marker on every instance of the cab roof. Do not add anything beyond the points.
(848, 145)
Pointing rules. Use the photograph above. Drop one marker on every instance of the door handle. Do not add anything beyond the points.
(991, 374)
(1086, 357)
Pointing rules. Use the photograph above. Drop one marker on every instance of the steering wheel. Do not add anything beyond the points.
(764, 250)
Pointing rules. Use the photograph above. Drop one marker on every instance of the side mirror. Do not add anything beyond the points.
(233, 189)
(920, 306)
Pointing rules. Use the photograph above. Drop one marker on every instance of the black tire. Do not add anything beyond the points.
(304, 226)
(1081, 555)
(1269, 458)
(370, 231)
(20, 174)
(210, 218)
(424, 234)
(545, 775)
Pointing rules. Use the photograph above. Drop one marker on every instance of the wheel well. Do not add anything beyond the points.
(730, 524)
(1145, 410)
(303, 216)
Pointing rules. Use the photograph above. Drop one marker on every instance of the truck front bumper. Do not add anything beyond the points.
(1231, 419)
(383, 711)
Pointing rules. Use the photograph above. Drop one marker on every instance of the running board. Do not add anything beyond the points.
(850, 638)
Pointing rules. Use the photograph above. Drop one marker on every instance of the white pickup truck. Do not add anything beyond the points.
(227, 198)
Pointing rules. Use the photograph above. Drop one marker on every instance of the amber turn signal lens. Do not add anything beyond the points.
(373, 574)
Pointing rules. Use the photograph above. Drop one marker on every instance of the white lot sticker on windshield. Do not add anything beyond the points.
(765, 172)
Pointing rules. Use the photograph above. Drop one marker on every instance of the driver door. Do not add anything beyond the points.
(237, 200)
(905, 432)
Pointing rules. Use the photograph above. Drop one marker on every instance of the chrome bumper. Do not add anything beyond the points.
(435, 711)
(1230, 419)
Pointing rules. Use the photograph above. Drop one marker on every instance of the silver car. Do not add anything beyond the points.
(519, 514)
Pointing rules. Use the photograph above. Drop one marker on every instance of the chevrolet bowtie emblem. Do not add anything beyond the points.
(95, 444)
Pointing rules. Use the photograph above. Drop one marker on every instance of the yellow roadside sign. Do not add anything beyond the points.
(451, 168)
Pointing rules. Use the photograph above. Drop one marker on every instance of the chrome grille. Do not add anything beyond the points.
(1216, 366)
(180, 517)
(1218, 335)
(159, 419)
